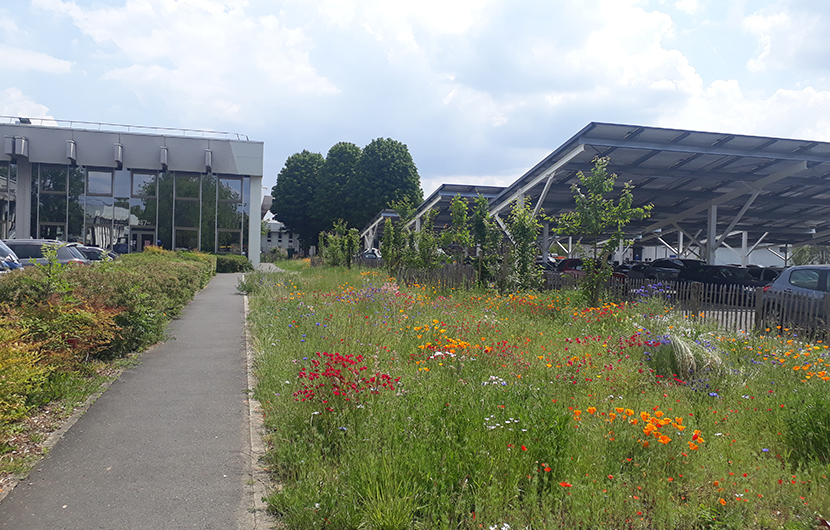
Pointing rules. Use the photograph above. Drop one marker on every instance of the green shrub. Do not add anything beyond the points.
(232, 263)
(21, 373)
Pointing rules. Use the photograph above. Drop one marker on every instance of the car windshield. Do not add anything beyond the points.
(6, 252)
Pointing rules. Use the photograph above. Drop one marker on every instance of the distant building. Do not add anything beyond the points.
(125, 187)
(277, 236)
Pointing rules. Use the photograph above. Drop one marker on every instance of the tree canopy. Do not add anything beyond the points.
(385, 173)
(313, 193)
(294, 195)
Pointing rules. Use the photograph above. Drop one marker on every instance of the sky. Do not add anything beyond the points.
(479, 90)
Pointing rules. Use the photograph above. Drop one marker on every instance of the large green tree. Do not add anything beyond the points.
(385, 173)
(294, 196)
(337, 177)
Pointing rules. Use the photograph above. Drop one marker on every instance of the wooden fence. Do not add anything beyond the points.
(731, 307)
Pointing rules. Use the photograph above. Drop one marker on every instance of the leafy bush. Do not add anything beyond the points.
(233, 263)
(21, 373)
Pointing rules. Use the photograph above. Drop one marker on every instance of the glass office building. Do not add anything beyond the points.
(174, 191)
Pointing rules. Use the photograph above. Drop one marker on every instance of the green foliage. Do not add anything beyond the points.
(294, 195)
(384, 174)
(514, 410)
(811, 255)
(227, 263)
(457, 238)
(595, 215)
(428, 255)
(398, 247)
(336, 185)
(339, 247)
(523, 274)
(21, 373)
(487, 236)
(808, 427)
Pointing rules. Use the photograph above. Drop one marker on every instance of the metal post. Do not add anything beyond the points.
(545, 242)
(711, 234)
(744, 246)
(680, 250)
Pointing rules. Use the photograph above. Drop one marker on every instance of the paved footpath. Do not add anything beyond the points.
(167, 446)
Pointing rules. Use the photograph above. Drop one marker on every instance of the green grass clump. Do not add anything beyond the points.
(407, 407)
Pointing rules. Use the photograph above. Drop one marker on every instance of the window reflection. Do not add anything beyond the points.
(98, 210)
(99, 182)
(187, 239)
(230, 189)
(144, 185)
(121, 183)
(187, 186)
(52, 208)
(187, 213)
(52, 179)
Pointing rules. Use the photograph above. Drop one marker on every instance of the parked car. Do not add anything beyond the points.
(766, 274)
(796, 297)
(575, 267)
(8, 259)
(30, 251)
(668, 268)
(95, 253)
(722, 283)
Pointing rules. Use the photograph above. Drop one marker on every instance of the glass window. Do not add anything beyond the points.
(187, 239)
(52, 208)
(228, 216)
(144, 184)
(143, 212)
(98, 210)
(187, 186)
(208, 213)
(230, 189)
(187, 213)
(99, 182)
(53, 231)
(805, 278)
(52, 179)
(99, 236)
(121, 183)
(230, 242)
(164, 228)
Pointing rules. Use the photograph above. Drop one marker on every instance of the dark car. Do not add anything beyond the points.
(576, 268)
(8, 259)
(95, 253)
(669, 268)
(797, 297)
(721, 283)
(766, 274)
(30, 251)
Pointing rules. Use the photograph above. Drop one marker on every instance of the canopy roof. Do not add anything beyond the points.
(775, 189)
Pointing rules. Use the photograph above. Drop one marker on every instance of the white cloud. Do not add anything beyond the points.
(14, 103)
(688, 6)
(200, 54)
(723, 107)
(790, 33)
(18, 59)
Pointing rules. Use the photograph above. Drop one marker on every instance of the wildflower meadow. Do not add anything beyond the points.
(396, 407)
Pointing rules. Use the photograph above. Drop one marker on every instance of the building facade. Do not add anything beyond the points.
(126, 189)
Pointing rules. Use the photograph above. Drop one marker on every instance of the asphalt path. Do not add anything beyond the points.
(167, 446)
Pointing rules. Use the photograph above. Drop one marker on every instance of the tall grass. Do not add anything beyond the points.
(393, 407)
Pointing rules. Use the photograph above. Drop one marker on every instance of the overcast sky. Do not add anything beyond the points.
(479, 90)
